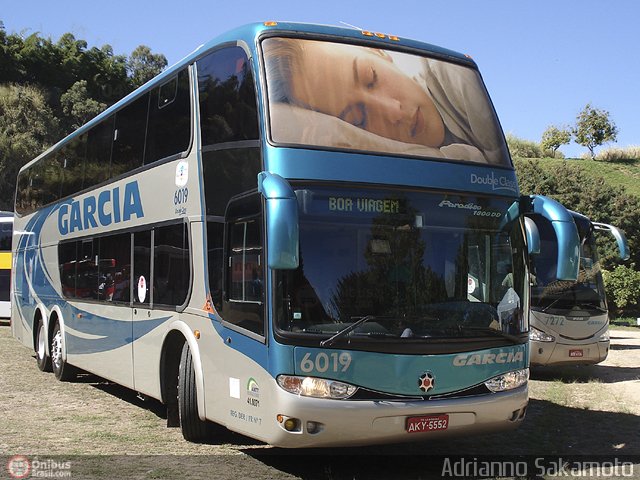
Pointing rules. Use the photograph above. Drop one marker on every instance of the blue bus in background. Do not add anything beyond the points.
(309, 235)
(570, 319)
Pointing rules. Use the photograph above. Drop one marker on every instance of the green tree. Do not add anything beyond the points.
(519, 147)
(554, 137)
(78, 106)
(593, 128)
(622, 286)
(27, 127)
(144, 65)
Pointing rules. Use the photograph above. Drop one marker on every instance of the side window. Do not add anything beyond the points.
(169, 131)
(215, 236)
(67, 263)
(245, 276)
(98, 160)
(171, 265)
(87, 269)
(114, 268)
(45, 181)
(141, 267)
(6, 232)
(244, 267)
(23, 193)
(227, 97)
(129, 136)
(227, 173)
(72, 163)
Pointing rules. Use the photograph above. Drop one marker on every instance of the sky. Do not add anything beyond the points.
(542, 60)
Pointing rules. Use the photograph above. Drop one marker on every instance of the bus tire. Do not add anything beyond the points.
(61, 369)
(193, 429)
(42, 357)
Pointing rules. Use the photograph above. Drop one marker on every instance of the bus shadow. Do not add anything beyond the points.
(585, 374)
(220, 435)
(122, 393)
(550, 430)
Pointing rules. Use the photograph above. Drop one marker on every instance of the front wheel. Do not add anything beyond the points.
(61, 369)
(42, 357)
(193, 429)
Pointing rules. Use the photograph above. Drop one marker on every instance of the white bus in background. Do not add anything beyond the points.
(6, 232)
(569, 320)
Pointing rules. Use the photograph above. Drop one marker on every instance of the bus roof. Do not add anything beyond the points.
(250, 33)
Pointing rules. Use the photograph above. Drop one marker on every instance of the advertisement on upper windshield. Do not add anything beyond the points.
(370, 99)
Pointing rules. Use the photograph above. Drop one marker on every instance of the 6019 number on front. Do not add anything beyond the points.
(325, 362)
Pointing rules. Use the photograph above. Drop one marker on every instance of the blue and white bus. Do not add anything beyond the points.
(570, 319)
(309, 235)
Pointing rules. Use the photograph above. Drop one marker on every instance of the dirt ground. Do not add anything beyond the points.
(102, 430)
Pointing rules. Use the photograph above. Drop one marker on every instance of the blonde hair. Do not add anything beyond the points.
(282, 57)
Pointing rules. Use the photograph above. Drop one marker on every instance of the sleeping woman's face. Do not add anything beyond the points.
(363, 87)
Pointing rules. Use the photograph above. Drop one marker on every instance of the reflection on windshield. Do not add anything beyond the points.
(560, 296)
(416, 266)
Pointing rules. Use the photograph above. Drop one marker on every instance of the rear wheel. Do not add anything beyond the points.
(42, 357)
(61, 369)
(193, 429)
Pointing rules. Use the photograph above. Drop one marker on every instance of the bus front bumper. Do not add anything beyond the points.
(325, 423)
(550, 353)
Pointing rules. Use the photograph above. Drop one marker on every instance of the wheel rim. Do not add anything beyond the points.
(56, 350)
(41, 344)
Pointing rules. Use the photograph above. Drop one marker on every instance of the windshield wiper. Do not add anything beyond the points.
(560, 297)
(348, 329)
(492, 331)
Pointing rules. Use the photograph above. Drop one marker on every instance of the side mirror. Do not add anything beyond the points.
(282, 230)
(623, 247)
(533, 236)
(566, 233)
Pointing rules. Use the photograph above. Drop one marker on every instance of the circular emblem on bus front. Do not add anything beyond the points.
(426, 382)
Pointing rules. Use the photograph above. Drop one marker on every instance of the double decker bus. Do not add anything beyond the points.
(6, 233)
(312, 236)
(569, 319)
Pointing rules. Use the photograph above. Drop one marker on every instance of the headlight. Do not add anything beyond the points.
(540, 336)
(508, 381)
(316, 387)
(604, 337)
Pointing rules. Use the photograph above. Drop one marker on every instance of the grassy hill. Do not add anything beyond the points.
(617, 174)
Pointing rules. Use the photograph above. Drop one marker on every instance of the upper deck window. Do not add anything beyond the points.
(353, 97)
(227, 97)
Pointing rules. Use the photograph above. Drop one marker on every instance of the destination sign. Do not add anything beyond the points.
(365, 205)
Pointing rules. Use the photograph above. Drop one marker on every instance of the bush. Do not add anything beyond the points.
(622, 286)
(523, 148)
(613, 155)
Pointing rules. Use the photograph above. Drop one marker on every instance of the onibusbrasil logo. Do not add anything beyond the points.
(19, 466)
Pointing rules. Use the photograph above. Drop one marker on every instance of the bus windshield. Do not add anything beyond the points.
(340, 96)
(551, 295)
(417, 265)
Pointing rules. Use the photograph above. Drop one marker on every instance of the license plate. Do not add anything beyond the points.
(575, 353)
(427, 423)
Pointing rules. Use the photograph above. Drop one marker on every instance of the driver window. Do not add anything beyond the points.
(244, 299)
